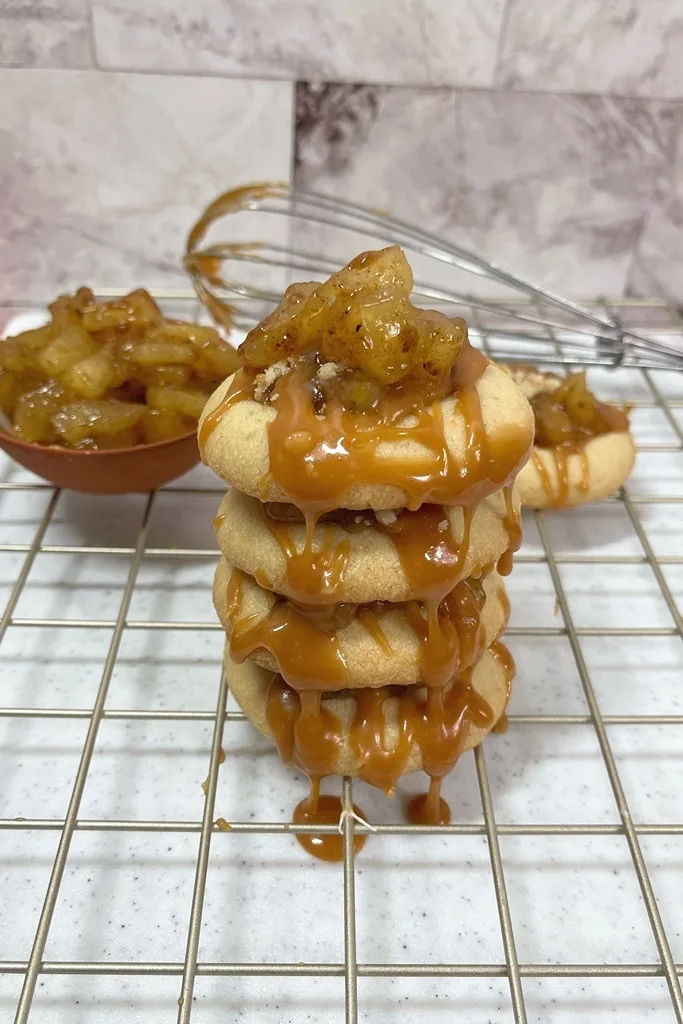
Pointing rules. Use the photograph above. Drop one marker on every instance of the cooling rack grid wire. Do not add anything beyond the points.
(552, 896)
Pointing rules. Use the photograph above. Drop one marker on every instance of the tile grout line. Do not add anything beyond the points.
(651, 560)
(33, 550)
(659, 933)
(59, 864)
(201, 872)
(505, 918)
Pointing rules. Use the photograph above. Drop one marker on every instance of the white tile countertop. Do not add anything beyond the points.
(568, 894)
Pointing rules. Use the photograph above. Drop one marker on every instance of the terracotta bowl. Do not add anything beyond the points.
(118, 471)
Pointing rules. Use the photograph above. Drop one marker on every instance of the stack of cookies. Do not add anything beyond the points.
(372, 454)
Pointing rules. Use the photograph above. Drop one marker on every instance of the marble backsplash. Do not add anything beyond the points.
(545, 134)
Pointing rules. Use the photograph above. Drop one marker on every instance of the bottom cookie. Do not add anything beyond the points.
(376, 734)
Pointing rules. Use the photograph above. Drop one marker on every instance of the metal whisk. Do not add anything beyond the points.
(525, 323)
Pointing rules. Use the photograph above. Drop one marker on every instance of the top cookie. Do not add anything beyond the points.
(351, 397)
(465, 447)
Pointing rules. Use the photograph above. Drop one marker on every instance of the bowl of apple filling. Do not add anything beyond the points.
(105, 397)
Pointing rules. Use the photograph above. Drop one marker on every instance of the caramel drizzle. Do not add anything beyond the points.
(559, 496)
(315, 459)
(513, 527)
(585, 472)
(310, 736)
(429, 808)
(430, 556)
(311, 574)
(504, 658)
(449, 633)
(292, 639)
(546, 481)
(307, 649)
(561, 456)
(240, 389)
(369, 619)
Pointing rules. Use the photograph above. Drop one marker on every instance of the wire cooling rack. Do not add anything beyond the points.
(553, 896)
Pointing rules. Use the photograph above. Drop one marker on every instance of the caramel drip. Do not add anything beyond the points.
(446, 721)
(313, 794)
(312, 575)
(584, 479)
(235, 593)
(505, 602)
(561, 455)
(291, 638)
(304, 640)
(504, 658)
(283, 705)
(513, 528)
(546, 481)
(502, 655)
(382, 762)
(317, 735)
(323, 810)
(218, 521)
(430, 557)
(429, 808)
(307, 734)
(448, 632)
(368, 618)
(438, 723)
(239, 390)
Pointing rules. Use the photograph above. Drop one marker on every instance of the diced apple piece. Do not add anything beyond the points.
(76, 421)
(185, 401)
(91, 377)
(65, 349)
(33, 414)
(162, 424)
(152, 353)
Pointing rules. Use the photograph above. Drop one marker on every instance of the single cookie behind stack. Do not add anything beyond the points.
(595, 458)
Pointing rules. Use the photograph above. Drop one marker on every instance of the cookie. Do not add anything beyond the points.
(355, 565)
(370, 647)
(490, 683)
(553, 478)
(238, 449)
(563, 476)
